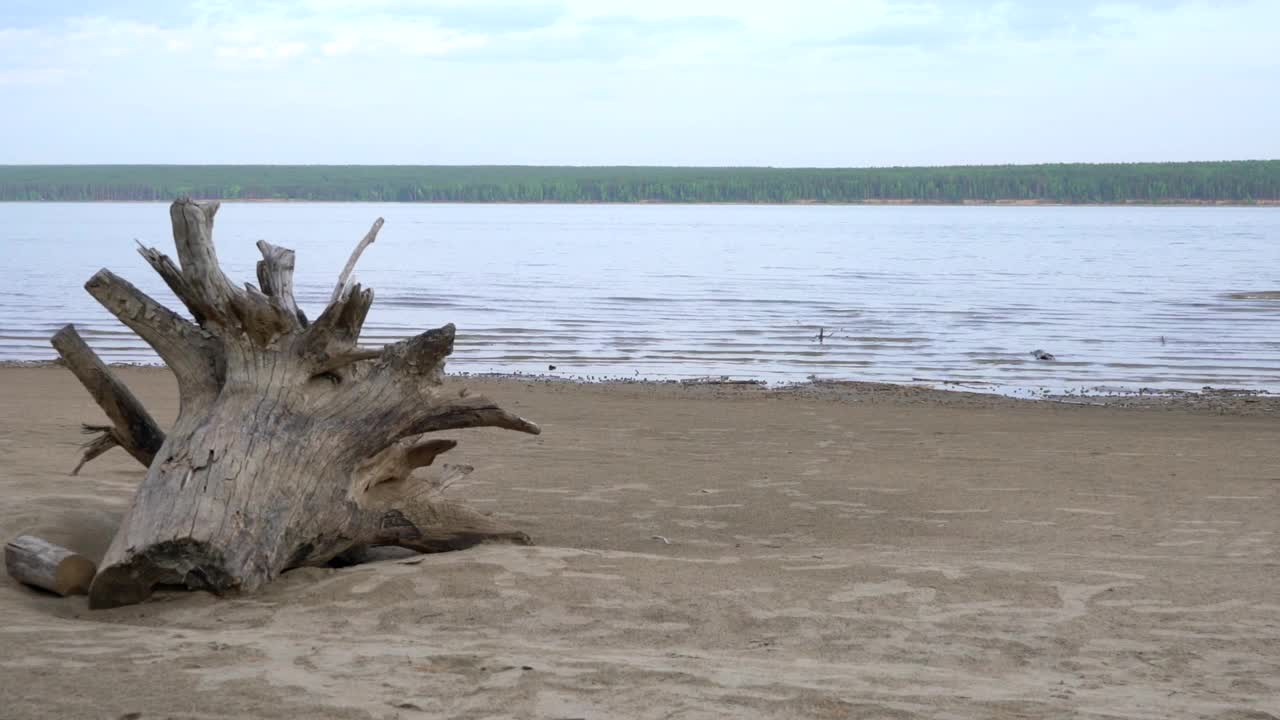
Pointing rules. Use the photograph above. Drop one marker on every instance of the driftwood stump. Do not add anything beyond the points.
(292, 445)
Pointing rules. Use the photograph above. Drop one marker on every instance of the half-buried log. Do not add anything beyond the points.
(37, 562)
(292, 444)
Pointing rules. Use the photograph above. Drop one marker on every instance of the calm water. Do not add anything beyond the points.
(1124, 297)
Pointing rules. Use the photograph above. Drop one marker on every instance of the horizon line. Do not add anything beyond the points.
(656, 167)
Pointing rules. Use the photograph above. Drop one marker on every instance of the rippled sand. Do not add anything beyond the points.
(709, 552)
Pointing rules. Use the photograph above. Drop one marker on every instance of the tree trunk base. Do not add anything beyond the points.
(424, 524)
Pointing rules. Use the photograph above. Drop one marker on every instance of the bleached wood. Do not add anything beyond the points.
(341, 360)
(192, 353)
(275, 275)
(268, 465)
(345, 276)
(40, 563)
(132, 427)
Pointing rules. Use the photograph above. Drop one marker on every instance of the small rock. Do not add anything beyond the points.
(1042, 355)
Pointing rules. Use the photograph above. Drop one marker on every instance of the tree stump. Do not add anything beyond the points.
(40, 563)
(292, 445)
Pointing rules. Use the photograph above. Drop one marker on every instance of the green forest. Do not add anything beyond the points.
(1244, 182)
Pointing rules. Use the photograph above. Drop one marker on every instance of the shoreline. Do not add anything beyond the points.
(1215, 400)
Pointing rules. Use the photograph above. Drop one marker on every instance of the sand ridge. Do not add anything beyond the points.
(708, 552)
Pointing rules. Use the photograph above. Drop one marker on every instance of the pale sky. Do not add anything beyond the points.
(638, 82)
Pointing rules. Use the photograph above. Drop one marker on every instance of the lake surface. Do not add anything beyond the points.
(1125, 298)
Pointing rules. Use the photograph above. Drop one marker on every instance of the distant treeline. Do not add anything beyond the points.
(1199, 182)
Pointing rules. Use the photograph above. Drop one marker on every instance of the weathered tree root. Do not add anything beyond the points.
(292, 445)
(131, 425)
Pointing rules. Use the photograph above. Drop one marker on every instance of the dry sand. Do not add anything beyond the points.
(845, 552)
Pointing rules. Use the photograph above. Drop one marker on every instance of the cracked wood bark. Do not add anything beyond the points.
(292, 444)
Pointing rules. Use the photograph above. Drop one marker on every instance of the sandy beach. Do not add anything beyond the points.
(839, 551)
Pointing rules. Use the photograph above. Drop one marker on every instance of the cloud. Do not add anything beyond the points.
(483, 17)
(278, 51)
(411, 38)
(819, 82)
(472, 17)
(340, 46)
(42, 14)
(602, 39)
(898, 36)
(663, 26)
(221, 30)
(31, 76)
(941, 25)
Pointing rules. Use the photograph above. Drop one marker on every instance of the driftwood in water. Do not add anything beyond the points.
(292, 445)
(40, 563)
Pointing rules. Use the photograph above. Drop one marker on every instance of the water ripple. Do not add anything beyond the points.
(1124, 297)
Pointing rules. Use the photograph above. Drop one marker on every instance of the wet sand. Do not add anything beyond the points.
(840, 551)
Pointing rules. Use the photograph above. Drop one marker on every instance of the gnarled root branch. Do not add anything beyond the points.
(403, 504)
(131, 425)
